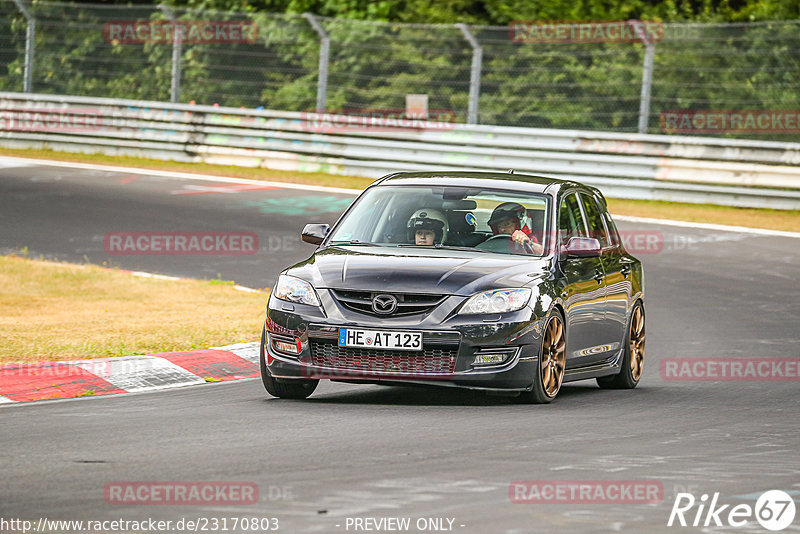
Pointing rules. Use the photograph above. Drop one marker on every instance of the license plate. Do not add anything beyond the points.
(380, 339)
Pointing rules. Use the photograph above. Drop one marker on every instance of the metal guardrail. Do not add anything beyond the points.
(658, 167)
(617, 76)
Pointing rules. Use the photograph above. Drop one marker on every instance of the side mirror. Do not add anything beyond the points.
(315, 233)
(581, 247)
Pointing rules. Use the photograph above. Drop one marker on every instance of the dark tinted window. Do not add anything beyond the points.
(570, 219)
(594, 220)
(613, 234)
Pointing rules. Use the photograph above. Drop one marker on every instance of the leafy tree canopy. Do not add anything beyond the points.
(501, 12)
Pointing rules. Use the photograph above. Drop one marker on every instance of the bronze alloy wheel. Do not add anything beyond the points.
(636, 341)
(553, 356)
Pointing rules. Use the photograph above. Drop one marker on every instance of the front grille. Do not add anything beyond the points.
(407, 303)
(430, 360)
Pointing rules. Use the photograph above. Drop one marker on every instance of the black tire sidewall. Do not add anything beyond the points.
(266, 378)
(299, 388)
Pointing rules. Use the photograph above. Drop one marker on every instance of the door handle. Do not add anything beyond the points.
(599, 276)
(626, 270)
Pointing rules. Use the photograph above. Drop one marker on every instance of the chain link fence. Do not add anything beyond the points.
(544, 75)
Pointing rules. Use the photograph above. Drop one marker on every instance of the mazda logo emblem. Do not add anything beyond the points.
(384, 304)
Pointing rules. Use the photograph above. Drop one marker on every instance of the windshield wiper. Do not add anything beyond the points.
(353, 242)
(445, 247)
(468, 249)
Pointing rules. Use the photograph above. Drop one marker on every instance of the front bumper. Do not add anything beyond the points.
(450, 344)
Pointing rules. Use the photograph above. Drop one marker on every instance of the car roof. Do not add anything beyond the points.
(505, 180)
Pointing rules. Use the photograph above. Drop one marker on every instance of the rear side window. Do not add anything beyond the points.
(613, 234)
(594, 220)
(570, 219)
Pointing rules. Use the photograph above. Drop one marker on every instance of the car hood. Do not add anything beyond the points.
(416, 270)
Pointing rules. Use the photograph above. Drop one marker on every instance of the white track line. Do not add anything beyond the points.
(182, 175)
(247, 289)
(707, 226)
(144, 274)
(286, 185)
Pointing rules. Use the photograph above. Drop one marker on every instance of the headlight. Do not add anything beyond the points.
(293, 289)
(497, 301)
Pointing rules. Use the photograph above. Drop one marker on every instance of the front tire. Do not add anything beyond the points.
(551, 364)
(297, 389)
(633, 360)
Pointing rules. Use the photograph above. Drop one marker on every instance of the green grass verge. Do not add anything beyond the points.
(54, 311)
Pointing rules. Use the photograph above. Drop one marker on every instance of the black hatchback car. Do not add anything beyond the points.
(507, 283)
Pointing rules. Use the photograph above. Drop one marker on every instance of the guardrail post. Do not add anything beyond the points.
(177, 45)
(324, 52)
(647, 76)
(474, 75)
(30, 45)
(647, 82)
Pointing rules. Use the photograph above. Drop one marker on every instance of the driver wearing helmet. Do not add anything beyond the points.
(509, 218)
(427, 226)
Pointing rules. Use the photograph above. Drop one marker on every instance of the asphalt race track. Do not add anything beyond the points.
(378, 452)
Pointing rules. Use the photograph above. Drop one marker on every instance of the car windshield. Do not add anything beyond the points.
(483, 220)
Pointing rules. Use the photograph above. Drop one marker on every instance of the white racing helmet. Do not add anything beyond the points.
(428, 219)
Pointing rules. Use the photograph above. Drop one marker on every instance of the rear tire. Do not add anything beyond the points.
(633, 360)
(297, 389)
(550, 366)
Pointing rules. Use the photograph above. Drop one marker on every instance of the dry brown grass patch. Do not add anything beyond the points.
(55, 311)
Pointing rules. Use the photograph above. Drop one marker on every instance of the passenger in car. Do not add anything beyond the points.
(427, 227)
(424, 237)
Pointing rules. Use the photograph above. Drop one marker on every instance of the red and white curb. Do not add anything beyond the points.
(103, 376)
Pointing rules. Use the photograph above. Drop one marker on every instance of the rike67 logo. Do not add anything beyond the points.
(774, 510)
